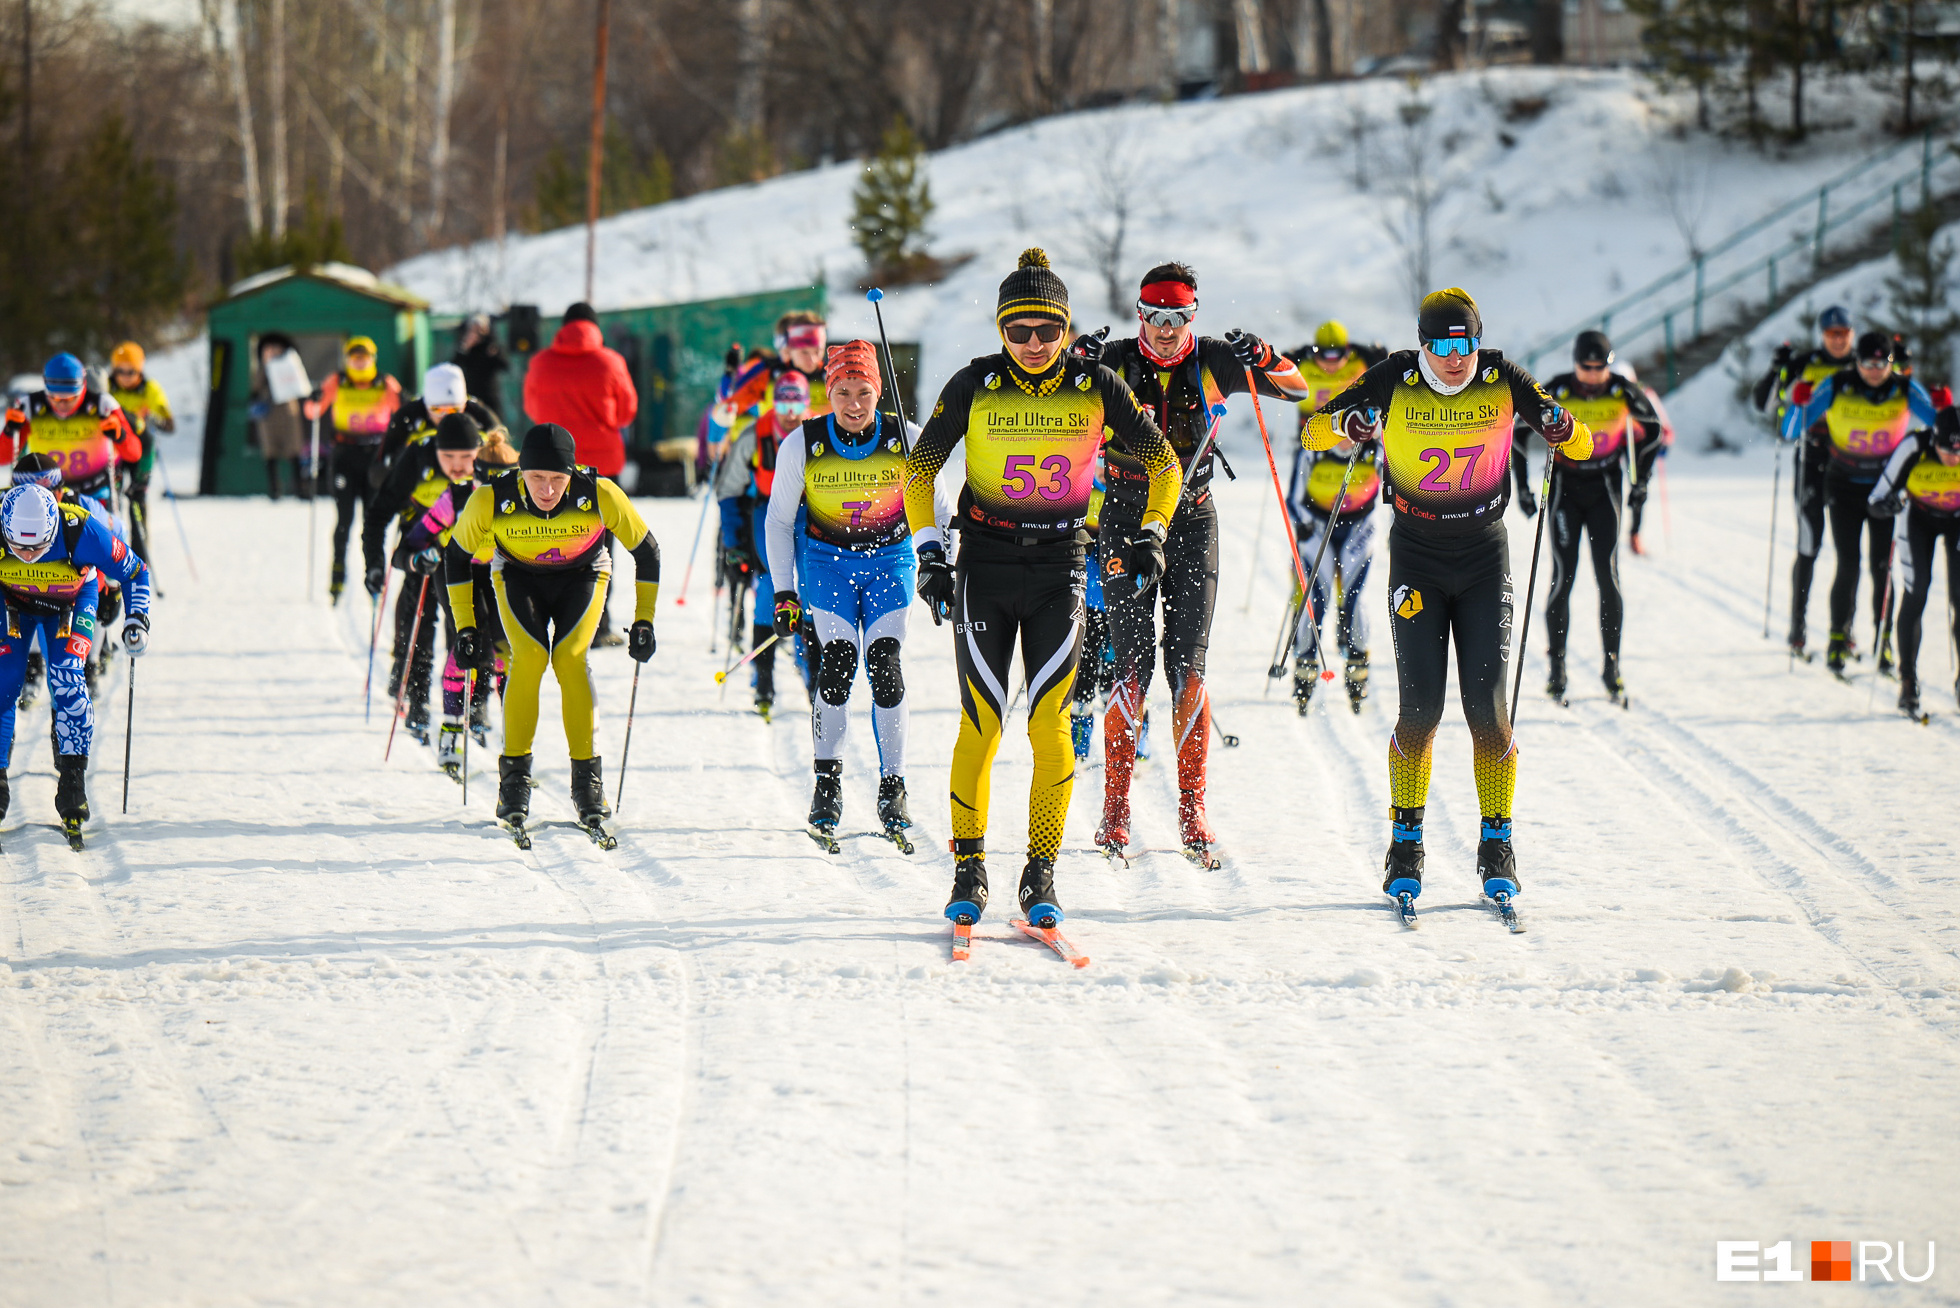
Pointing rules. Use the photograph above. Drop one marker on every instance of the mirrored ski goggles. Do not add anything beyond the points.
(1331, 353)
(807, 337)
(1465, 345)
(1161, 315)
(1018, 333)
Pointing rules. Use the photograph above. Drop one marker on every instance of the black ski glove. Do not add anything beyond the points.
(1143, 556)
(376, 579)
(788, 610)
(1527, 502)
(1249, 350)
(1889, 507)
(466, 646)
(732, 361)
(136, 633)
(936, 582)
(1637, 496)
(639, 640)
(1090, 349)
(423, 563)
(1784, 358)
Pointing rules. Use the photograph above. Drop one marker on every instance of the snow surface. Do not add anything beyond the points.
(303, 1029)
(1256, 192)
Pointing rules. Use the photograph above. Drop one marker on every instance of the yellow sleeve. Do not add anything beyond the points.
(1320, 433)
(1138, 430)
(625, 522)
(472, 532)
(156, 401)
(1579, 446)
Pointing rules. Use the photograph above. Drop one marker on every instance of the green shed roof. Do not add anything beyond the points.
(344, 276)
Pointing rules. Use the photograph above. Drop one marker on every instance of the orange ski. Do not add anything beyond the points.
(962, 940)
(1054, 939)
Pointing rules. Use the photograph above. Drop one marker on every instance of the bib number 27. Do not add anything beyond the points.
(1436, 479)
(1020, 479)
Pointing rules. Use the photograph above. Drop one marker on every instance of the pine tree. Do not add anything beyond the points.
(892, 205)
(558, 187)
(1920, 293)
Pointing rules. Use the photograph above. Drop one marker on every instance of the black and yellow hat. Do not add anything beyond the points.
(1449, 313)
(1033, 290)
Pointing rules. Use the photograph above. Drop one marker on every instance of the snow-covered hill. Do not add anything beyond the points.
(1556, 191)
(303, 1029)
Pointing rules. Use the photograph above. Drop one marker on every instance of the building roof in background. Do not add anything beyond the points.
(345, 274)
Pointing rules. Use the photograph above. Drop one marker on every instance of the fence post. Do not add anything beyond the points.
(1701, 262)
(1817, 245)
(1673, 376)
(1897, 189)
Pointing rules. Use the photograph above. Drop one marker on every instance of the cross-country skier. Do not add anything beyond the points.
(445, 390)
(1032, 419)
(852, 579)
(1772, 393)
(359, 402)
(1922, 480)
(548, 522)
(1444, 416)
(1863, 413)
(1587, 496)
(81, 428)
(1183, 379)
(42, 470)
(52, 557)
(148, 409)
(750, 461)
(1332, 364)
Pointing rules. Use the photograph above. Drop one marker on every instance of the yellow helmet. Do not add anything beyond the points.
(1330, 335)
(127, 355)
(360, 343)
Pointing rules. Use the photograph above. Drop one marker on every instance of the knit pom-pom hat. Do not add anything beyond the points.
(1032, 290)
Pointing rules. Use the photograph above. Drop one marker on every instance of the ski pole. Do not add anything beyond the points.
(374, 638)
(1546, 508)
(1775, 494)
(632, 702)
(1884, 623)
(469, 704)
(129, 733)
(1184, 487)
(714, 473)
(408, 671)
(877, 296)
(178, 514)
(1279, 492)
(1340, 501)
(721, 678)
(1225, 738)
(1275, 670)
(312, 505)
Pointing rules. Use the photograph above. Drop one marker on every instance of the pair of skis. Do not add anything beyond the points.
(1204, 853)
(1049, 936)
(826, 838)
(595, 831)
(1507, 912)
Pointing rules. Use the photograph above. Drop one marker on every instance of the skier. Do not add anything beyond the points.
(1587, 496)
(445, 390)
(1449, 570)
(548, 522)
(1337, 364)
(1637, 493)
(852, 580)
(1183, 379)
(1772, 391)
(1032, 419)
(749, 464)
(148, 410)
(359, 402)
(1318, 506)
(81, 428)
(1922, 480)
(1863, 413)
(42, 470)
(52, 557)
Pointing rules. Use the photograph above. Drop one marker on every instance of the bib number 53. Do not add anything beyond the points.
(1019, 479)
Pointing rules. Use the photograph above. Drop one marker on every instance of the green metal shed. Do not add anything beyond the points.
(319, 307)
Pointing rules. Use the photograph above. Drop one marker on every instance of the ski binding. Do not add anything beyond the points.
(1405, 904)
(515, 826)
(1501, 901)
(826, 837)
(595, 828)
(72, 828)
(896, 834)
(1200, 852)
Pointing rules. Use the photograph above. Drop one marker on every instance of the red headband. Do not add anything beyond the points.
(1168, 295)
(804, 336)
(855, 360)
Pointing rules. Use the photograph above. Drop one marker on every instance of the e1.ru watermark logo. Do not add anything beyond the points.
(1830, 1260)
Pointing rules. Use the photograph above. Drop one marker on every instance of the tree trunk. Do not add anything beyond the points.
(1449, 34)
(1912, 23)
(439, 137)
(248, 144)
(275, 98)
(1323, 41)
(752, 58)
(1799, 56)
(595, 154)
(1167, 25)
(1548, 32)
(1044, 54)
(1252, 37)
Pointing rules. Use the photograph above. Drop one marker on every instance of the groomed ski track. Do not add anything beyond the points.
(302, 1029)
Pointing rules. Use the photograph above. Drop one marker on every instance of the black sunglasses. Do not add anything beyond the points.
(1018, 333)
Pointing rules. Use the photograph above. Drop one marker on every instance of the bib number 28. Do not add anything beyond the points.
(1020, 479)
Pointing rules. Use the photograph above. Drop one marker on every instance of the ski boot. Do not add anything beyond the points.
(1355, 675)
(1497, 865)
(1555, 681)
(969, 899)
(1143, 735)
(1838, 654)
(336, 586)
(894, 811)
(1113, 832)
(608, 639)
(1081, 731)
(480, 713)
(1886, 668)
(449, 749)
(1402, 869)
(827, 803)
(1306, 676)
(417, 722)
(589, 798)
(1616, 686)
(71, 795)
(1908, 701)
(514, 793)
(1038, 903)
(765, 708)
(1195, 830)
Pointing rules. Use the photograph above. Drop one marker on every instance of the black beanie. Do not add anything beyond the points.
(1033, 290)
(1874, 345)
(1446, 309)
(458, 431)
(548, 448)
(581, 312)
(1592, 347)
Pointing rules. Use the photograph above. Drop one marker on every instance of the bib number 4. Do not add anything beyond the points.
(1020, 480)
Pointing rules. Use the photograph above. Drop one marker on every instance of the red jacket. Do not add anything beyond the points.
(582, 386)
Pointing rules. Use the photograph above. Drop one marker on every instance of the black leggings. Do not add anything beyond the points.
(1005, 592)
(1461, 588)
(1808, 488)
(1850, 516)
(350, 488)
(1923, 533)
(1589, 502)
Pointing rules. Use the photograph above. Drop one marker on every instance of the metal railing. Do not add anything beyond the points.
(1687, 294)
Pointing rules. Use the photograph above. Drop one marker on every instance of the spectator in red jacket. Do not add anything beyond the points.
(583, 387)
